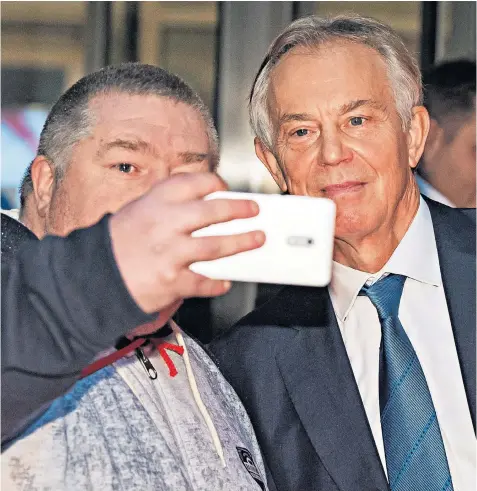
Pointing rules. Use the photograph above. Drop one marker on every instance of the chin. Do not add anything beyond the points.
(351, 224)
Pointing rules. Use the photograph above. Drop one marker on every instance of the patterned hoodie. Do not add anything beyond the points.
(118, 429)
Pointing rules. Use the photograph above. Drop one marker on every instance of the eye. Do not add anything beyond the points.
(301, 132)
(357, 121)
(125, 168)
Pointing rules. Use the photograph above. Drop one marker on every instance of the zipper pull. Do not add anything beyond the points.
(146, 363)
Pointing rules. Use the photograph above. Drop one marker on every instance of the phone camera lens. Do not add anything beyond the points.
(300, 241)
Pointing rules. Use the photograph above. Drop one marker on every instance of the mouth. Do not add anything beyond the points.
(348, 187)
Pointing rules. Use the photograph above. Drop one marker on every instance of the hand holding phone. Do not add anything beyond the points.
(299, 241)
(152, 244)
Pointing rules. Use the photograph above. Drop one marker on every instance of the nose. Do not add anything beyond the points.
(334, 150)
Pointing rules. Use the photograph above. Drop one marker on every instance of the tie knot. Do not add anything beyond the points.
(385, 294)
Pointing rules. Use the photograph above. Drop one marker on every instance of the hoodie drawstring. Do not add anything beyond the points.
(162, 346)
(196, 394)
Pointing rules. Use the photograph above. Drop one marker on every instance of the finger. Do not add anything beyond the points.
(186, 187)
(198, 214)
(191, 284)
(214, 247)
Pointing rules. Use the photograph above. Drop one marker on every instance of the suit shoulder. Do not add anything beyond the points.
(278, 320)
(242, 338)
(454, 227)
(292, 306)
(469, 213)
(463, 216)
(272, 324)
(246, 349)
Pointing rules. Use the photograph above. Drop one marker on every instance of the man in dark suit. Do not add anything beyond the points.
(368, 384)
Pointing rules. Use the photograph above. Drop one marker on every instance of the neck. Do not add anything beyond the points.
(460, 191)
(32, 221)
(371, 252)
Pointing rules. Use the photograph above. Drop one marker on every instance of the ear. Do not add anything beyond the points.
(43, 177)
(417, 134)
(270, 162)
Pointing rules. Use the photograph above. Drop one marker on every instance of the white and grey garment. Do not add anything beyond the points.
(120, 430)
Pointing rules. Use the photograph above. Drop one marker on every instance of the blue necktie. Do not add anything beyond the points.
(415, 454)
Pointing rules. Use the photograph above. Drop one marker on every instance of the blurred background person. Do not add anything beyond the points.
(446, 172)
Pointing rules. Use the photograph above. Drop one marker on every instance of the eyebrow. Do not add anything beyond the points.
(133, 144)
(345, 108)
(286, 118)
(352, 105)
(192, 157)
(139, 145)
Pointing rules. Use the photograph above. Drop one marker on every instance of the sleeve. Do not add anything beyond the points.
(63, 301)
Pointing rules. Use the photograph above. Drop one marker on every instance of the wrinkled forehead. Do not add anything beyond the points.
(159, 119)
(329, 69)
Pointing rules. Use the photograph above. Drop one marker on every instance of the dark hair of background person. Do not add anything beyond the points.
(449, 94)
(70, 120)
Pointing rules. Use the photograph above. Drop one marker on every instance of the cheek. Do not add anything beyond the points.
(300, 168)
(62, 213)
(387, 164)
(463, 153)
(82, 205)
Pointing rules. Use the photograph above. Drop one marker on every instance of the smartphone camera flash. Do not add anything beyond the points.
(300, 241)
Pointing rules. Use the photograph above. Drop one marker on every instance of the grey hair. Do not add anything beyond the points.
(310, 32)
(69, 121)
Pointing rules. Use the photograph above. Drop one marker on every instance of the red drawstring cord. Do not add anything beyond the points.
(111, 358)
(161, 346)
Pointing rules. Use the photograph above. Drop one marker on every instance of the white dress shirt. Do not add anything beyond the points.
(15, 214)
(425, 317)
(431, 192)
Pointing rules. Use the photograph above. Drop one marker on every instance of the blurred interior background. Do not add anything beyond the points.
(216, 47)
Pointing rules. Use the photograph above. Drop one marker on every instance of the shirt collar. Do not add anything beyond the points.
(415, 257)
(15, 214)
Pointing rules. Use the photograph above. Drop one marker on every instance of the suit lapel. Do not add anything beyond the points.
(455, 240)
(321, 384)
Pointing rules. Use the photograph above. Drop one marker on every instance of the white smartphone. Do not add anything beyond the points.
(299, 245)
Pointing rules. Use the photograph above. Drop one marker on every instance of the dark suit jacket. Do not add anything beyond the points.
(288, 364)
(14, 234)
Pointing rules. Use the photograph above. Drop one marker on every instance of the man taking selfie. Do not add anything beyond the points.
(143, 407)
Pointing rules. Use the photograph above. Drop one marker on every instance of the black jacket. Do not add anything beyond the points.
(288, 364)
(63, 301)
(14, 234)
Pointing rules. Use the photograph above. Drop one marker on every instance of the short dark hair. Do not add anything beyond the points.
(69, 120)
(449, 92)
